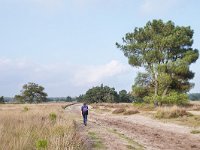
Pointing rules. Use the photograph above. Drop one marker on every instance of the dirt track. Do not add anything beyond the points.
(116, 132)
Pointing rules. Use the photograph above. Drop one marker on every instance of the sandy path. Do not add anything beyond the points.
(130, 132)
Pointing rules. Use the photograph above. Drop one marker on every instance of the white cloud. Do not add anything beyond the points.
(157, 6)
(96, 74)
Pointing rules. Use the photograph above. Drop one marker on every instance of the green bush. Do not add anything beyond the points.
(52, 116)
(173, 98)
(40, 144)
(25, 108)
(195, 132)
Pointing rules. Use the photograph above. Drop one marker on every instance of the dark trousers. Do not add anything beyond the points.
(85, 119)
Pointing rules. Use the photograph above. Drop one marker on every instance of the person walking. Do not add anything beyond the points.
(84, 110)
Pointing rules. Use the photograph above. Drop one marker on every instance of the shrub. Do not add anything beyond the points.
(131, 112)
(144, 106)
(195, 132)
(119, 110)
(52, 116)
(40, 144)
(171, 112)
(26, 108)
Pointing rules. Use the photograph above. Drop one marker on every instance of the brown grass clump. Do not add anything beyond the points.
(131, 112)
(43, 126)
(144, 106)
(119, 110)
(171, 112)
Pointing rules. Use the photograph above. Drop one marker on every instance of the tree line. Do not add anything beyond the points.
(105, 94)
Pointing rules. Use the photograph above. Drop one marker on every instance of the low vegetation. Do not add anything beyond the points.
(131, 112)
(132, 144)
(171, 112)
(144, 106)
(32, 128)
(192, 121)
(119, 110)
(105, 94)
(195, 132)
(97, 143)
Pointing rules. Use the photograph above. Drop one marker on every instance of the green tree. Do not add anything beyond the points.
(124, 97)
(69, 99)
(2, 101)
(194, 96)
(100, 94)
(19, 99)
(32, 93)
(165, 51)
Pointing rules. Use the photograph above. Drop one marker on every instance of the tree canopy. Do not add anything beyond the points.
(165, 52)
(106, 94)
(2, 101)
(32, 93)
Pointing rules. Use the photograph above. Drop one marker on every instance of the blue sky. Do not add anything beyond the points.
(68, 46)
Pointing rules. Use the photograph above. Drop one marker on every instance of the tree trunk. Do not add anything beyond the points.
(165, 92)
(156, 89)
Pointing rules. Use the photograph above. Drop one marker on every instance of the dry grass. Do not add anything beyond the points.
(119, 110)
(144, 106)
(27, 127)
(193, 106)
(131, 112)
(111, 105)
(171, 112)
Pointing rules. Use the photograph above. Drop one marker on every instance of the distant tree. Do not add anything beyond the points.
(165, 52)
(2, 101)
(69, 99)
(80, 98)
(32, 93)
(100, 94)
(194, 96)
(19, 99)
(125, 97)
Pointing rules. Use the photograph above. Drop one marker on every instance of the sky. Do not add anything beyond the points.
(68, 46)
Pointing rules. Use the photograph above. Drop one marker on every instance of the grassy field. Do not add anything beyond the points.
(41, 126)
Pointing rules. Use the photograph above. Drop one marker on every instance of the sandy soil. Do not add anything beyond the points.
(118, 132)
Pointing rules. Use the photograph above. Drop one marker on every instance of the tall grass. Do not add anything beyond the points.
(171, 112)
(34, 129)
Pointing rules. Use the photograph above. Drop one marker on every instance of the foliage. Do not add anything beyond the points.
(52, 116)
(125, 97)
(195, 132)
(100, 94)
(19, 99)
(41, 144)
(165, 52)
(65, 99)
(32, 93)
(170, 99)
(2, 101)
(25, 108)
